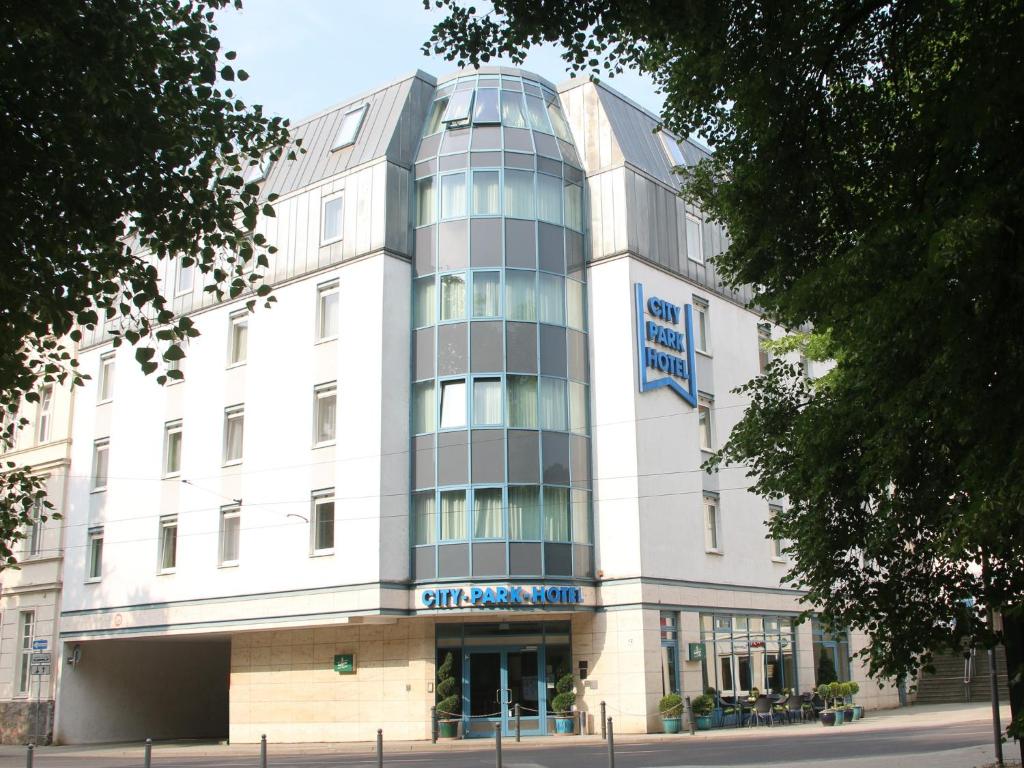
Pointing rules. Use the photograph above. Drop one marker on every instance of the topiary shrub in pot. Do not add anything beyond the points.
(717, 713)
(562, 704)
(671, 710)
(828, 715)
(858, 710)
(702, 708)
(834, 693)
(448, 702)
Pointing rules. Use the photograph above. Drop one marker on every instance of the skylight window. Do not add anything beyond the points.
(675, 154)
(458, 107)
(258, 171)
(350, 125)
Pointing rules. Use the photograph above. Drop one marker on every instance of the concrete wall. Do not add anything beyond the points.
(130, 690)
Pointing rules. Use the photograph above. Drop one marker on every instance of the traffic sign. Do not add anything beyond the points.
(40, 658)
(40, 669)
(39, 645)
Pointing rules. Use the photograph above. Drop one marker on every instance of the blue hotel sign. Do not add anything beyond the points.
(664, 346)
(500, 597)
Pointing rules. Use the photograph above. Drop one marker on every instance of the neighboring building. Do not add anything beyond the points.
(436, 442)
(30, 594)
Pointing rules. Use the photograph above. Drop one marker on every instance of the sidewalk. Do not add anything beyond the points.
(934, 715)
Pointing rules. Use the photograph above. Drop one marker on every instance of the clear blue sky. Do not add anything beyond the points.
(305, 55)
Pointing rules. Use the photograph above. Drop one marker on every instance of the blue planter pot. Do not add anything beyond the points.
(672, 724)
(858, 711)
(564, 724)
(703, 722)
(839, 716)
(827, 718)
(717, 717)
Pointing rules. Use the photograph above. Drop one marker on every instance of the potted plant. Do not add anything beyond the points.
(562, 704)
(828, 715)
(702, 707)
(671, 710)
(448, 701)
(717, 713)
(858, 710)
(834, 694)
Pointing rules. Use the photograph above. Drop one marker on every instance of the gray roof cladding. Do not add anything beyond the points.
(390, 128)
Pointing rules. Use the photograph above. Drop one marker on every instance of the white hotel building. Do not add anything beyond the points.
(447, 436)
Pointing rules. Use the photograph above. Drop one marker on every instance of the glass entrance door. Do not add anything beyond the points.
(494, 681)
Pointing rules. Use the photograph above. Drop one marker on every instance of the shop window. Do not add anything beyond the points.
(229, 535)
(669, 652)
(453, 404)
(322, 523)
(831, 652)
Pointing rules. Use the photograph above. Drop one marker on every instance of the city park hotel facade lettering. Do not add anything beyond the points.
(295, 539)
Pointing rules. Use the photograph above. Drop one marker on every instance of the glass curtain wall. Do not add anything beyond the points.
(500, 389)
(747, 652)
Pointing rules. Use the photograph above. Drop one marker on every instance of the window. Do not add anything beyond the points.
(552, 404)
(332, 216)
(558, 122)
(701, 326)
(712, 526)
(575, 308)
(520, 295)
(458, 108)
(486, 294)
(745, 652)
(423, 302)
(35, 530)
(551, 299)
(168, 554)
(581, 532)
(704, 426)
(234, 428)
(486, 110)
(44, 413)
(519, 195)
(694, 239)
(238, 338)
(186, 273)
(453, 515)
(669, 653)
(26, 634)
(577, 407)
(106, 388)
(172, 448)
(350, 125)
(522, 402)
(549, 198)
(230, 527)
(777, 544)
(257, 171)
(95, 572)
(556, 514)
(488, 520)
(675, 154)
(453, 296)
(424, 518)
(487, 402)
(764, 334)
(572, 196)
(100, 454)
(831, 648)
(437, 109)
(325, 413)
(513, 111)
(423, 407)
(426, 203)
(327, 300)
(538, 114)
(453, 404)
(524, 512)
(322, 523)
(453, 196)
(486, 193)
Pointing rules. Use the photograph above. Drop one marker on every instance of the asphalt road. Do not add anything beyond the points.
(804, 742)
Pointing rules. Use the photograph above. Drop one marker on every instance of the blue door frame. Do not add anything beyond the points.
(503, 700)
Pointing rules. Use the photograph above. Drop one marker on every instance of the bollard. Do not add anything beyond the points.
(583, 723)
(689, 716)
(147, 755)
(263, 751)
(497, 744)
(519, 724)
(604, 729)
(380, 748)
(433, 725)
(611, 745)
(28, 755)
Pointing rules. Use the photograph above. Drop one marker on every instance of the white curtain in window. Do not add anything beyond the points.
(328, 313)
(453, 404)
(424, 518)
(524, 512)
(423, 407)
(486, 193)
(426, 204)
(487, 517)
(551, 299)
(519, 194)
(556, 514)
(453, 196)
(580, 516)
(558, 122)
(513, 113)
(522, 401)
(453, 515)
(552, 403)
(573, 196)
(538, 114)
(423, 310)
(549, 198)
(486, 294)
(233, 446)
(520, 295)
(453, 296)
(577, 407)
(326, 415)
(487, 402)
(694, 241)
(574, 304)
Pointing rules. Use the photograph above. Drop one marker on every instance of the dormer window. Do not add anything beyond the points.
(350, 125)
(459, 106)
(258, 171)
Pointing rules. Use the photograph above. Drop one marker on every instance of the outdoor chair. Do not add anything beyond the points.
(763, 711)
(730, 709)
(794, 708)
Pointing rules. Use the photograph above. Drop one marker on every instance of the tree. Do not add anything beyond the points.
(122, 147)
(867, 165)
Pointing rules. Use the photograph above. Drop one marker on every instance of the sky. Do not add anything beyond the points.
(305, 55)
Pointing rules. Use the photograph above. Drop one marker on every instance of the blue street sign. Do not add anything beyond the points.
(39, 645)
